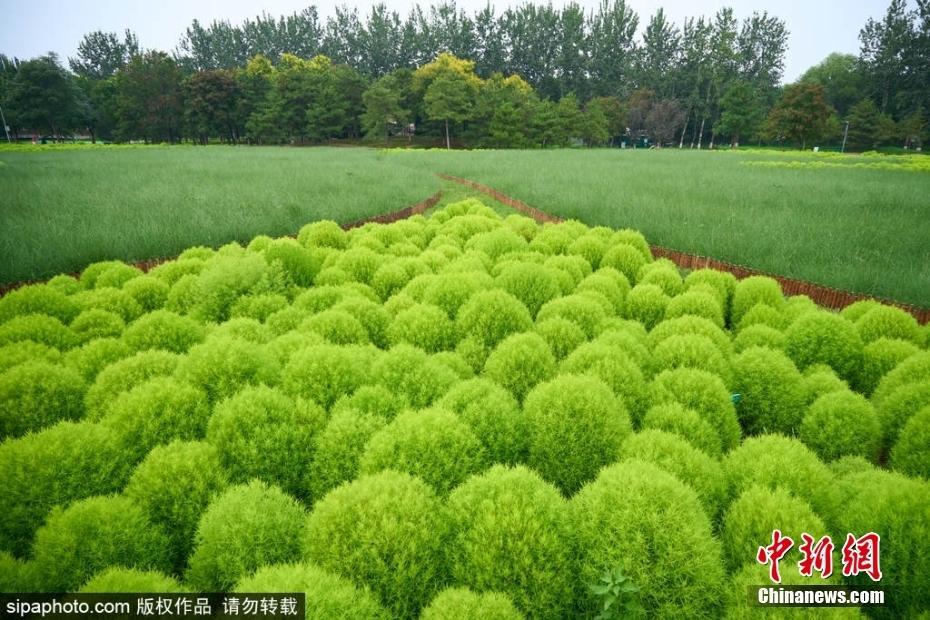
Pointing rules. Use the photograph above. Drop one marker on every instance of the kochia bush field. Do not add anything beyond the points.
(452, 416)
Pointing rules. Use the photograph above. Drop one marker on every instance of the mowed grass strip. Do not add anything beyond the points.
(861, 230)
(60, 210)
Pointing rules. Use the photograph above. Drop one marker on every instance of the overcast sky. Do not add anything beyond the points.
(33, 27)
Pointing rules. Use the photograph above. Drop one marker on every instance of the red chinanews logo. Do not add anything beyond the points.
(859, 555)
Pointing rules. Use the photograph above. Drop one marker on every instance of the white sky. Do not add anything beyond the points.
(34, 27)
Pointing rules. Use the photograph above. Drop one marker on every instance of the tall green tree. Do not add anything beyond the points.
(868, 127)
(742, 112)
(44, 98)
(210, 105)
(101, 54)
(450, 97)
(801, 116)
(842, 80)
(149, 99)
(383, 108)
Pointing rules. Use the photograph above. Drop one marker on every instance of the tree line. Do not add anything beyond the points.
(534, 75)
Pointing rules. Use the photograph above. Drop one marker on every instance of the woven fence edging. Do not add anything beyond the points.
(150, 263)
(820, 294)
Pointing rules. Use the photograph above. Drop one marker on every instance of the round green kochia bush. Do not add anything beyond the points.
(878, 358)
(755, 514)
(259, 306)
(327, 596)
(762, 314)
(92, 534)
(723, 283)
(626, 259)
(164, 330)
(34, 395)
(561, 334)
(386, 531)
(125, 374)
(702, 392)
(692, 351)
(336, 327)
(888, 322)
(425, 326)
(338, 449)
(455, 362)
(494, 417)
(227, 278)
(372, 315)
(147, 291)
(156, 412)
(685, 423)
(183, 295)
(611, 284)
(325, 373)
(915, 369)
(323, 234)
(373, 399)
(39, 328)
(773, 461)
(38, 299)
(672, 558)
(841, 423)
(691, 325)
(696, 303)
(222, 366)
(576, 426)
(631, 345)
(451, 291)
(614, 367)
(109, 273)
(519, 363)
(772, 392)
(675, 455)
(173, 485)
(490, 316)
(820, 380)
(647, 304)
(532, 284)
(17, 353)
(433, 444)
(589, 247)
(496, 243)
(96, 323)
(664, 273)
(755, 290)
(911, 453)
(56, 466)
(577, 308)
(299, 264)
(895, 410)
(895, 507)
(510, 532)
(825, 338)
(249, 330)
(245, 527)
(457, 603)
(262, 433)
(414, 375)
(759, 336)
(110, 299)
(129, 580)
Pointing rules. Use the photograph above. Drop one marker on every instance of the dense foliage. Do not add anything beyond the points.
(492, 432)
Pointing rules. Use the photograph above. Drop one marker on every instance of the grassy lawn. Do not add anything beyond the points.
(838, 221)
(848, 226)
(62, 209)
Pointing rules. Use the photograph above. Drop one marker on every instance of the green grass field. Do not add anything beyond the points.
(856, 223)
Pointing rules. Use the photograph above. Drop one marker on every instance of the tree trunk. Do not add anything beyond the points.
(447, 135)
(701, 134)
(681, 143)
